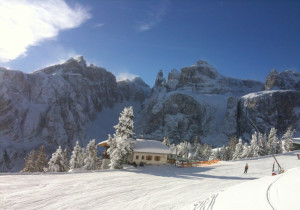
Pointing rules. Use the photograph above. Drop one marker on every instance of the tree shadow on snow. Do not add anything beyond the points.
(183, 173)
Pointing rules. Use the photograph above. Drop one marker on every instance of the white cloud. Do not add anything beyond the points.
(125, 76)
(154, 16)
(25, 23)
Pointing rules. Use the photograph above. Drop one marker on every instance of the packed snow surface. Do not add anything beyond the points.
(220, 186)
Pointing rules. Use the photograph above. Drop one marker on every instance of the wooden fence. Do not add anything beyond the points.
(183, 164)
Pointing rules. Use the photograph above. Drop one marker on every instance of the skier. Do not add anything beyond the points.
(246, 168)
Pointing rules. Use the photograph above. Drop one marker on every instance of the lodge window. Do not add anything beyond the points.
(143, 157)
(157, 158)
(148, 157)
(137, 157)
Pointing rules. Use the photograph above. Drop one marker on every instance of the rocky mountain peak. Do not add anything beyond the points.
(81, 61)
(78, 62)
(285, 80)
(205, 69)
(200, 63)
(199, 73)
(135, 89)
(160, 80)
(173, 78)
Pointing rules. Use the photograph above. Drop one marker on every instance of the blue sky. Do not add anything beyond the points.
(242, 39)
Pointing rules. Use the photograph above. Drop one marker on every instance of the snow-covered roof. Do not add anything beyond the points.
(296, 140)
(103, 143)
(151, 146)
(143, 145)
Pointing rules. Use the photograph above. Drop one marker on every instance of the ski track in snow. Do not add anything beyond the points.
(269, 193)
(207, 204)
(150, 187)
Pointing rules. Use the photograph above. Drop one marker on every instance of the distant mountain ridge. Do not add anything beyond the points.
(72, 101)
(57, 105)
(198, 101)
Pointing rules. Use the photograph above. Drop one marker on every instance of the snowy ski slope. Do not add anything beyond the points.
(222, 186)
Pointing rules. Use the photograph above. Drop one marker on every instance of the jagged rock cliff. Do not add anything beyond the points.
(59, 105)
(286, 80)
(267, 109)
(278, 106)
(196, 102)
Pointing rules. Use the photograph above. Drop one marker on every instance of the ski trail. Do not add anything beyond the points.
(206, 204)
(269, 191)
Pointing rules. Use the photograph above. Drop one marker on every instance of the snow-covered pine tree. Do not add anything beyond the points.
(90, 161)
(124, 128)
(122, 139)
(272, 141)
(41, 160)
(173, 152)
(166, 141)
(227, 153)
(232, 143)
(288, 140)
(245, 153)
(222, 153)
(67, 163)
(183, 149)
(206, 152)
(213, 155)
(218, 153)
(77, 157)
(119, 153)
(279, 146)
(262, 144)
(198, 152)
(254, 148)
(238, 150)
(195, 143)
(30, 162)
(57, 161)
